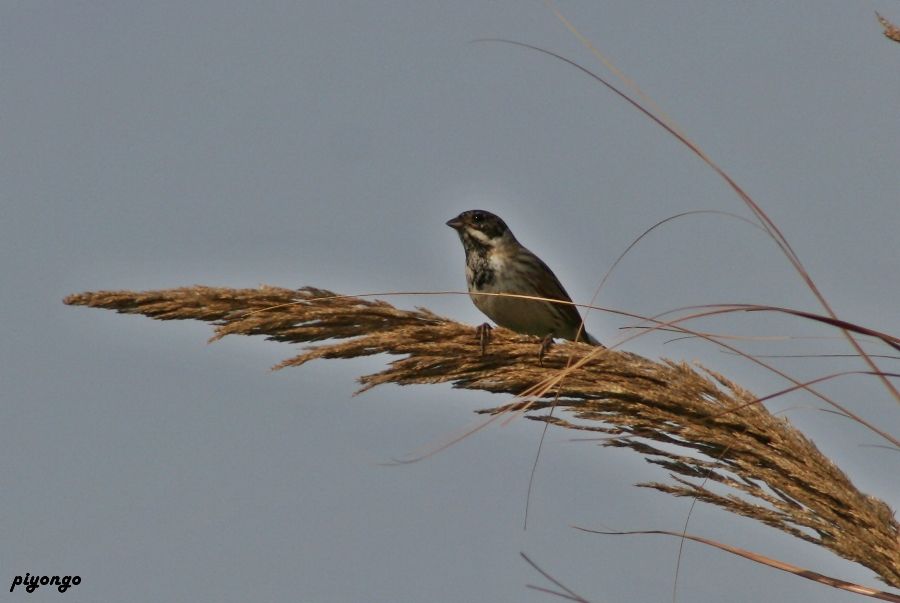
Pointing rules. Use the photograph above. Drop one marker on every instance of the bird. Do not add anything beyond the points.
(497, 263)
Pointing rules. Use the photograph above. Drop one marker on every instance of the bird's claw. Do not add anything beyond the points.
(483, 331)
(546, 344)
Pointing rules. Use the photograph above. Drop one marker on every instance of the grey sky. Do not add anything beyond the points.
(157, 144)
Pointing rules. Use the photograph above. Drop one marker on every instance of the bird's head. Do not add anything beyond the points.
(481, 229)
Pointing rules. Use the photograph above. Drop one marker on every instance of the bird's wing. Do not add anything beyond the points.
(551, 288)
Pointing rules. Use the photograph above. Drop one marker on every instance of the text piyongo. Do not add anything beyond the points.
(32, 583)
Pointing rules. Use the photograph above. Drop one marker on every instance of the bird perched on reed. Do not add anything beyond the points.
(497, 263)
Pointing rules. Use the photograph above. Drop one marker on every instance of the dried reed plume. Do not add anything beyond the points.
(891, 31)
(717, 443)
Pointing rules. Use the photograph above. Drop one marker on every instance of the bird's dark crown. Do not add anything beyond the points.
(492, 226)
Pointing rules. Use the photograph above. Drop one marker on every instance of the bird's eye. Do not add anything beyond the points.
(477, 217)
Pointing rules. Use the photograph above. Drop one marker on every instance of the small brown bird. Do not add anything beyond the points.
(497, 263)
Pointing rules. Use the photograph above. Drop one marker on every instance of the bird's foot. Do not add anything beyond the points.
(546, 344)
(483, 332)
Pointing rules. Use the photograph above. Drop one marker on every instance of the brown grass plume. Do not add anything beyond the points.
(717, 444)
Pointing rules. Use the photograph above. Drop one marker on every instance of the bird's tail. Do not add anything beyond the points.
(589, 339)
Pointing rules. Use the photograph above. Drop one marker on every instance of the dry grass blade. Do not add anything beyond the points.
(787, 567)
(695, 423)
(564, 592)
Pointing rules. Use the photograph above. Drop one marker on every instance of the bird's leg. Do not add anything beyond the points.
(483, 331)
(546, 343)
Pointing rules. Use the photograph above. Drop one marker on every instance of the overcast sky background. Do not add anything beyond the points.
(158, 144)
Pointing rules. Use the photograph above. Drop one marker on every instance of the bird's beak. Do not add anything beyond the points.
(455, 223)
